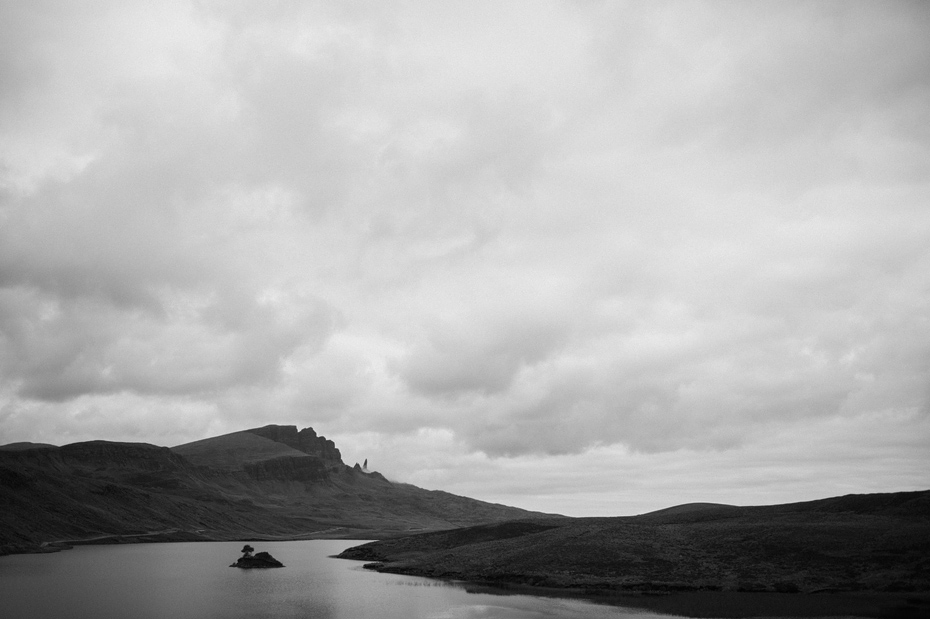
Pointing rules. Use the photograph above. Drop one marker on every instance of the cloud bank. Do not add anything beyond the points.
(561, 242)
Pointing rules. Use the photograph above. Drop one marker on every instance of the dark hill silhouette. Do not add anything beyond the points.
(273, 482)
(689, 508)
(232, 451)
(855, 543)
(23, 445)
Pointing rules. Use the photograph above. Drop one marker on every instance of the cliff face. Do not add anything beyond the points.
(305, 440)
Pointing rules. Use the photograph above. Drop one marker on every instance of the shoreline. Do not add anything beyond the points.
(703, 603)
(679, 599)
(176, 536)
(706, 604)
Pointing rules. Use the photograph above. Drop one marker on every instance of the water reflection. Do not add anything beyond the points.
(179, 581)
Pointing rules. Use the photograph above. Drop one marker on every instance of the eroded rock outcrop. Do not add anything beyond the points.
(305, 440)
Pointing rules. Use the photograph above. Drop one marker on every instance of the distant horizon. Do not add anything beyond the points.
(576, 257)
(350, 462)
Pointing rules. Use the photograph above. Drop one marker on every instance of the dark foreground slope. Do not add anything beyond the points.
(878, 542)
(272, 483)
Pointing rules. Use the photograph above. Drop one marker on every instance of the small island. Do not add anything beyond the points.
(256, 561)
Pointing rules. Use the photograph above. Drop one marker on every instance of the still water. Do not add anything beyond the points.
(193, 580)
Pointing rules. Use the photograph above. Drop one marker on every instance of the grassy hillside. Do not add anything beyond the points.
(858, 543)
(23, 445)
(232, 451)
(241, 485)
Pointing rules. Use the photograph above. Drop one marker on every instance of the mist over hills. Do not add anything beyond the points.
(273, 482)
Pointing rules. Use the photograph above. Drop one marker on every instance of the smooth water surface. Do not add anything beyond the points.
(177, 581)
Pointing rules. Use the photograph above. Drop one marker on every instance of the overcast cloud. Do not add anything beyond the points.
(588, 257)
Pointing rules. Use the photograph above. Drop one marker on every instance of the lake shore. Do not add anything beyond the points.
(653, 597)
(740, 605)
(175, 536)
(859, 555)
(660, 598)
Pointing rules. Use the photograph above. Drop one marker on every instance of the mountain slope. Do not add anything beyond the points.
(272, 482)
(232, 451)
(23, 445)
(877, 542)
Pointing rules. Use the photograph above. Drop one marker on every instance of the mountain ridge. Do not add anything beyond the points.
(272, 482)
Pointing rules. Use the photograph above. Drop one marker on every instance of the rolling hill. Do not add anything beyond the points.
(273, 482)
(855, 543)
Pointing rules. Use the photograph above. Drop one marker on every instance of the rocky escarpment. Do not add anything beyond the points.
(305, 440)
(240, 451)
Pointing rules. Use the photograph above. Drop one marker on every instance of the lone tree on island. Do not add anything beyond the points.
(259, 560)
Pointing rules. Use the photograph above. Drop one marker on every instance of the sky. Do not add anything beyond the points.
(593, 258)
